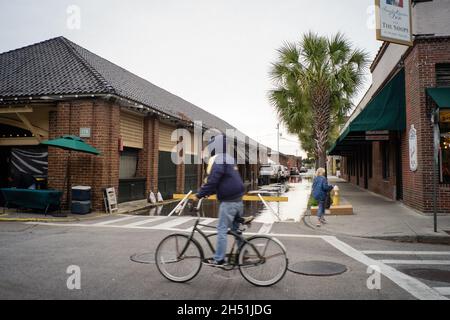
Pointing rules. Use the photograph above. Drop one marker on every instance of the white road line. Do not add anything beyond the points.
(158, 227)
(445, 291)
(173, 222)
(413, 286)
(104, 223)
(266, 228)
(419, 253)
(140, 223)
(417, 262)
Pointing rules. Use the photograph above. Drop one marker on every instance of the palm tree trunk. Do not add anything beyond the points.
(322, 116)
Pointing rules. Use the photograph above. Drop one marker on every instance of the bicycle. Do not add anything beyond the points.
(261, 259)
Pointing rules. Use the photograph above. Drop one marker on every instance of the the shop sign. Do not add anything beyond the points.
(394, 22)
(413, 164)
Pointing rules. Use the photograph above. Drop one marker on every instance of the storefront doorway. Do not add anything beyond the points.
(167, 175)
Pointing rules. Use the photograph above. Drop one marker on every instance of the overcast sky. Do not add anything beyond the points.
(213, 53)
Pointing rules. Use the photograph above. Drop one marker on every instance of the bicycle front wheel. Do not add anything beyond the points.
(263, 261)
(178, 258)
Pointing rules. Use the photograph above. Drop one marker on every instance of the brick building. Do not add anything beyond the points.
(56, 88)
(387, 145)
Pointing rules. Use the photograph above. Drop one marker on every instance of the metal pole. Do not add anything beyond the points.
(278, 139)
(269, 207)
(436, 146)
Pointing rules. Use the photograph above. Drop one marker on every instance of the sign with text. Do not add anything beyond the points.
(394, 21)
(382, 135)
(413, 163)
(85, 132)
(444, 117)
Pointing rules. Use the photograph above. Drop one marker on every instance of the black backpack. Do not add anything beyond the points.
(328, 201)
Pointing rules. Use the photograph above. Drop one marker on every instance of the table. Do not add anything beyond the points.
(32, 199)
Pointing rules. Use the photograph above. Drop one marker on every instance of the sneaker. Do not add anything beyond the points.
(323, 221)
(213, 263)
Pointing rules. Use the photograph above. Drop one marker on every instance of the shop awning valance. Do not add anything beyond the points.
(441, 96)
(385, 112)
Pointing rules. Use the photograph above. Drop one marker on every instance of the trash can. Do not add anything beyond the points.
(81, 200)
(81, 193)
(81, 207)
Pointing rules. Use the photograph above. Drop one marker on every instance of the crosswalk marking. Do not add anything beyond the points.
(104, 223)
(445, 291)
(207, 221)
(419, 253)
(140, 223)
(173, 222)
(415, 287)
(416, 262)
(265, 229)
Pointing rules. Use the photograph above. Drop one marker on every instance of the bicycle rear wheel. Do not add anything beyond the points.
(178, 258)
(263, 261)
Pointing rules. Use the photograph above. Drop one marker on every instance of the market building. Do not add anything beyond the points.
(387, 145)
(56, 88)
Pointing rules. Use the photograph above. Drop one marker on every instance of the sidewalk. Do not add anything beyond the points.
(380, 218)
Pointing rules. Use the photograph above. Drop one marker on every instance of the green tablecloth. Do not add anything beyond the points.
(32, 199)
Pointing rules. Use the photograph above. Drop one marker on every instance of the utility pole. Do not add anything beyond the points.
(278, 139)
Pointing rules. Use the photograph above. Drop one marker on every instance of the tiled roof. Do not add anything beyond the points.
(59, 67)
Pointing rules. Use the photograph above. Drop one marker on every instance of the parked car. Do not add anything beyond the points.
(271, 172)
(294, 171)
(303, 170)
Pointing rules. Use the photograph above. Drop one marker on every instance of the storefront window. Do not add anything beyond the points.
(128, 163)
(445, 146)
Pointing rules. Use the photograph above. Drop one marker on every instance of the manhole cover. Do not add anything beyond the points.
(146, 257)
(429, 274)
(317, 268)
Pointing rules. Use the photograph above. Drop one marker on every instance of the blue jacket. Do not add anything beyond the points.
(320, 188)
(223, 178)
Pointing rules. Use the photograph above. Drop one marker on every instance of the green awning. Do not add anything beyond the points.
(441, 96)
(385, 112)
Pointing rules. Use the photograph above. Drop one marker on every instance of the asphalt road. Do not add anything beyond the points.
(35, 259)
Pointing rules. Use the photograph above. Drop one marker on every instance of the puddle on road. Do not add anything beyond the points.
(287, 211)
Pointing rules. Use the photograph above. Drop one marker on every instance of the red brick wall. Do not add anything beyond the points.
(376, 184)
(149, 155)
(420, 74)
(96, 171)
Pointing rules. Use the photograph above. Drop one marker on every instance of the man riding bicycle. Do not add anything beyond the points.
(224, 180)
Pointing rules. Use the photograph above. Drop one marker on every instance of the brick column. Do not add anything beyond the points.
(96, 171)
(149, 155)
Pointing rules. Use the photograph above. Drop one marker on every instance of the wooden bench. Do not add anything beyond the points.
(340, 210)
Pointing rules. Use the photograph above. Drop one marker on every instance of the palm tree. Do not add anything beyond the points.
(315, 81)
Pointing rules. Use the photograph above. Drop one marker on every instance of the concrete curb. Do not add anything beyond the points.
(419, 238)
(51, 220)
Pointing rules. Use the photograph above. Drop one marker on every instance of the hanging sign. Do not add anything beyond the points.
(85, 132)
(394, 21)
(413, 164)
